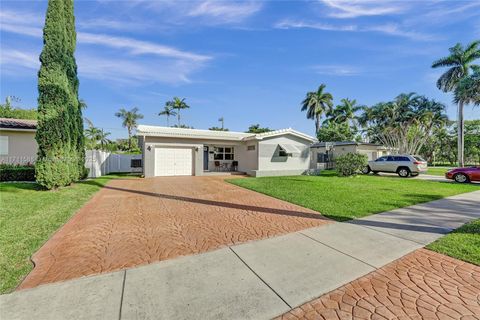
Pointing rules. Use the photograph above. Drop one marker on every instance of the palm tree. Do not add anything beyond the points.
(102, 138)
(468, 89)
(316, 103)
(168, 112)
(92, 134)
(129, 121)
(344, 112)
(177, 104)
(460, 62)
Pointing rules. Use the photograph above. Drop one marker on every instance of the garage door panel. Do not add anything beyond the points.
(173, 161)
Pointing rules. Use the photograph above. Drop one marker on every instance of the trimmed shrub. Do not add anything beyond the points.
(61, 154)
(9, 172)
(350, 164)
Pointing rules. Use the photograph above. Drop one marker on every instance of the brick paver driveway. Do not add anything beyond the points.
(421, 285)
(132, 222)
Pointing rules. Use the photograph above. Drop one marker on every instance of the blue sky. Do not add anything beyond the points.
(248, 61)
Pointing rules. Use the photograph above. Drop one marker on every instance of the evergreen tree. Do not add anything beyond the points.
(60, 147)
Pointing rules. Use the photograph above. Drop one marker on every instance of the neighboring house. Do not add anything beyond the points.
(17, 141)
(176, 151)
(324, 153)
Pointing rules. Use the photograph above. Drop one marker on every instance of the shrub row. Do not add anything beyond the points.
(10, 172)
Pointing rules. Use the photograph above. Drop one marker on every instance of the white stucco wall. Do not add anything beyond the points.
(270, 163)
(21, 147)
(247, 159)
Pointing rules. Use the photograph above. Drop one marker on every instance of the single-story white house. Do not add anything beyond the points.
(325, 152)
(177, 151)
(17, 141)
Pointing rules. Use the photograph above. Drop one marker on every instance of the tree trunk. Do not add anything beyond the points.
(168, 124)
(460, 130)
(129, 139)
(178, 117)
(317, 124)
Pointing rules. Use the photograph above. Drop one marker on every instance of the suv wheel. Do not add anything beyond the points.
(403, 172)
(366, 170)
(460, 177)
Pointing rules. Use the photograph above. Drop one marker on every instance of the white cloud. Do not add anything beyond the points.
(389, 29)
(138, 47)
(134, 46)
(358, 8)
(116, 70)
(337, 70)
(294, 24)
(205, 12)
(226, 11)
(18, 58)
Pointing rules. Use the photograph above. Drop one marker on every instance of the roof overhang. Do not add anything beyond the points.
(167, 132)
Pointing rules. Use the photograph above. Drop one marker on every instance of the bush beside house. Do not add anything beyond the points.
(350, 164)
(11, 172)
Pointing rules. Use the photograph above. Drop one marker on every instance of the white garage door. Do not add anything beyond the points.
(173, 162)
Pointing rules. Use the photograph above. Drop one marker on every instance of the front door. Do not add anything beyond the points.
(205, 158)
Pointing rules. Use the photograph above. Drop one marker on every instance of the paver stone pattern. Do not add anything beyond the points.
(421, 285)
(134, 222)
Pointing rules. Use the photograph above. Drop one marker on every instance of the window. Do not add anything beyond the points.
(251, 148)
(381, 159)
(136, 163)
(418, 158)
(3, 145)
(223, 153)
(323, 158)
(390, 158)
(282, 152)
(399, 158)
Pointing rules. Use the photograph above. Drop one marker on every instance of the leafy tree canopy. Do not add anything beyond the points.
(255, 128)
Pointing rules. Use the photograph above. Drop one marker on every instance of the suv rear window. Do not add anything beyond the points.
(400, 158)
(418, 158)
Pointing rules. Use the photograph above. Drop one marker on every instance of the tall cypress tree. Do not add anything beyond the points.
(57, 134)
(76, 111)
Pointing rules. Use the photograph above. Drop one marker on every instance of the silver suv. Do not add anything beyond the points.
(402, 164)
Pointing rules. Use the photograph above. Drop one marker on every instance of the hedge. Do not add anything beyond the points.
(10, 172)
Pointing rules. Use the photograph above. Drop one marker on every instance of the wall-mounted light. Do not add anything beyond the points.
(149, 148)
(196, 149)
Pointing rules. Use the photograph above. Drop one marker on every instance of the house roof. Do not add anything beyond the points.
(23, 124)
(345, 143)
(156, 131)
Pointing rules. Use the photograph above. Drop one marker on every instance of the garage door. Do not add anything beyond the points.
(173, 162)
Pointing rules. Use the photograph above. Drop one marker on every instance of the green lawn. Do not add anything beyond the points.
(438, 171)
(348, 198)
(29, 216)
(463, 243)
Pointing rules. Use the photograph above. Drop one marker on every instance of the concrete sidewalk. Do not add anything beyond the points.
(256, 280)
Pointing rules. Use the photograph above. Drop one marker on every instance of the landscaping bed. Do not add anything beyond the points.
(345, 198)
(29, 216)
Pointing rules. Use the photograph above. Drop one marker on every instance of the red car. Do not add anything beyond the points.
(466, 174)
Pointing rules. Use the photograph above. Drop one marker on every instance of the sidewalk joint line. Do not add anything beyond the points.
(368, 264)
(121, 297)
(394, 235)
(278, 295)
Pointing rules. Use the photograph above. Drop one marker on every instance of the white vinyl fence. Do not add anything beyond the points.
(101, 163)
